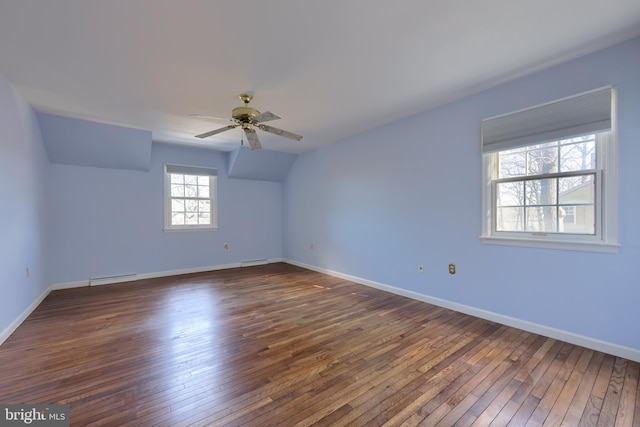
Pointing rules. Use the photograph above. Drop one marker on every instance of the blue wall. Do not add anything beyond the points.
(23, 173)
(107, 222)
(378, 205)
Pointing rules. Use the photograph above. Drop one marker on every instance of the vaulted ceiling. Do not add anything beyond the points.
(330, 69)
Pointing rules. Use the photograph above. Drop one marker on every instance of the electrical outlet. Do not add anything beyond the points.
(452, 268)
(420, 269)
(226, 246)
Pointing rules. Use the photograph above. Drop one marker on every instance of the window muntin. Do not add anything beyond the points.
(573, 154)
(538, 184)
(190, 202)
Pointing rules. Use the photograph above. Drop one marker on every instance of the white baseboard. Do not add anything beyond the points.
(69, 285)
(99, 281)
(254, 262)
(142, 276)
(186, 271)
(570, 337)
(119, 279)
(23, 316)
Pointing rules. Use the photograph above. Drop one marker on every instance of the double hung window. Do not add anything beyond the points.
(190, 198)
(549, 175)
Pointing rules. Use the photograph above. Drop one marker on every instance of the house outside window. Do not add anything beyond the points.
(190, 195)
(549, 175)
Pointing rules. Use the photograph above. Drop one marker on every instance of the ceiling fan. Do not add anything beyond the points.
(250, 119)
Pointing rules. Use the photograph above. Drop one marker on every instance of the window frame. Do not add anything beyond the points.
(552, 235)
(605, 203)
(211, 173)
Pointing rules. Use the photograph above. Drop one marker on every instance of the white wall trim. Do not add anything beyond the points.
(254, 262)
(186, 271)
(69, 285)
(559, 334)
(98, 281)
(114, 279)
(6, 333)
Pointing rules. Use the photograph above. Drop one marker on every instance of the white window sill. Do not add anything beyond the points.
(189, 229)
(602, 247)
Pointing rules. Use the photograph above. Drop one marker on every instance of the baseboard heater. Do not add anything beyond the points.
(97, 281)
(254, 262)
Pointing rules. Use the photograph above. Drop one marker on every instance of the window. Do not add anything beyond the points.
(549, 175)
(190, 198)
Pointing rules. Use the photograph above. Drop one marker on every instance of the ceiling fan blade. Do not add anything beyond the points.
(205, 117)
(214, 132)
(280, 132)
(265, 117)
(252, 138)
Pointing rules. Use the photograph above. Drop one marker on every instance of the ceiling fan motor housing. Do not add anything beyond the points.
(244, 114)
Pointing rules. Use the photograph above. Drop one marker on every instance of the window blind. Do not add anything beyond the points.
(588, 112)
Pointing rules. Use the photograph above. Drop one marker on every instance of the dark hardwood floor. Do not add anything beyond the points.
(277, 345)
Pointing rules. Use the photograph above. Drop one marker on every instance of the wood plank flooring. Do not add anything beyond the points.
(278, 345)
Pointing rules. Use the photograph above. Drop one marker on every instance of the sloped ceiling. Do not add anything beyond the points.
(261, 165)
(330, 69)
(84, 143)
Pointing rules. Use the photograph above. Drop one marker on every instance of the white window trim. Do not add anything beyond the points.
(605, 242)
(213, 195)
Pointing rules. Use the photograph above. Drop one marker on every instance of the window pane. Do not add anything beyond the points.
(177, 219)
(542, 219)
(568, 214)
(541, 191)
(577, 189)
(203, 180)
(191, 205)
(578, 219)
(510, 193)
(177, 179)
(203, 191)
(543, 160)
(191, 191)
(191, 179)
(510, 219)
(204, 206)
(204, 218)
(191, 219)
(576, 157)
(177, 190)
(177, 205)
(511, 163)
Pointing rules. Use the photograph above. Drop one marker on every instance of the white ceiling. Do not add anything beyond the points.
(331, 68)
